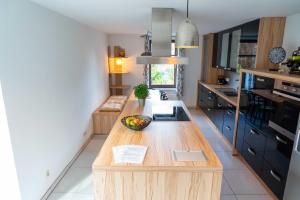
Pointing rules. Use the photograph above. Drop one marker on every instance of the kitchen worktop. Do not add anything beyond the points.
(273, 74)
(188, 179)
(161, 137)
(213, 87)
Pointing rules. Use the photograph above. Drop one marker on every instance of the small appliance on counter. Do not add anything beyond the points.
(163, 95)
(221, 80)
(293, 63)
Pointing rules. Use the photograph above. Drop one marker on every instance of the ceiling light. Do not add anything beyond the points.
(187, 35)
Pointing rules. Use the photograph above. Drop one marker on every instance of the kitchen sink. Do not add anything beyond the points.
(231, 92)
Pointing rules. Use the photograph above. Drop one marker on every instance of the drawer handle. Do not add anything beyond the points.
(241, 113)
(228, 128)
(229, 112)
(251, 151)
(260, 79)
(219, 105)
(275, 176)
(208, 109)
(229, 105)
(209, 98)
(253, 132)
(280, 140)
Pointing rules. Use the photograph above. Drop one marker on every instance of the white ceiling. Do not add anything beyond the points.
(134, 16)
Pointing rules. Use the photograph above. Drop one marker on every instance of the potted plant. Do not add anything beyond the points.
(141, 92)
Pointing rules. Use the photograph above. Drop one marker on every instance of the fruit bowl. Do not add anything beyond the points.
(136, 122)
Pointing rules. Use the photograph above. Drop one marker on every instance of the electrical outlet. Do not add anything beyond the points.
(48, 173)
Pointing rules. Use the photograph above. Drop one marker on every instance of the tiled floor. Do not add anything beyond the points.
(238, 182)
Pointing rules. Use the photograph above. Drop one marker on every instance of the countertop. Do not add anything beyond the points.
(161, 138)
(212, 87)
(273, 74)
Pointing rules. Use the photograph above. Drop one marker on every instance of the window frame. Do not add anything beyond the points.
(163, 86)
(175, 74)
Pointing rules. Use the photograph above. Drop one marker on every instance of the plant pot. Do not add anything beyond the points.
(142, 102)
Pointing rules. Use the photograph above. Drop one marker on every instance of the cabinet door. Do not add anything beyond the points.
(240, 131)
(223, 49)
(235, 48)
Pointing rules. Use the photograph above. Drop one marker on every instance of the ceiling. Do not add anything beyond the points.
(134, 16)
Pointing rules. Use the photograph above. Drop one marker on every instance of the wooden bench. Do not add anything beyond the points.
(106, 115)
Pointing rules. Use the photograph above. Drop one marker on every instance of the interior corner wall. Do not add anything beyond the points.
(134, 46)
(192, 73)
(54, 74)
(291, 38)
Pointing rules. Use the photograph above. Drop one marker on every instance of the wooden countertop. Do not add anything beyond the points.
(273, 74)
(212, 87)
(161, 138)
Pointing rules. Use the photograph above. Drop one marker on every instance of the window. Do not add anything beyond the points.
(163, 75)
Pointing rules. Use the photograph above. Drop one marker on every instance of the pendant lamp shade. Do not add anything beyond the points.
(187, 35)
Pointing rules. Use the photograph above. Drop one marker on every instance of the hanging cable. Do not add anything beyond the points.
(187, 9)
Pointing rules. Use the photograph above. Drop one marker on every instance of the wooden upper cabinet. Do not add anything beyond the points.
(271, 30)
(248, 44)
(209, 73)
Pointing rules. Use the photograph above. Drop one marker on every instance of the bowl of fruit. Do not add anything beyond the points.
(136, 122)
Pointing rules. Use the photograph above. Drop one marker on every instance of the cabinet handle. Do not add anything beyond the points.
(228, 128)
(208, 109)
(275, 176)
(251, 151)
(253, 132)
(280, 140)
(219, 105)
(229, 112)
(241, 113)
(209, 98)
(229, 105)
(260, 79)
(209, 92)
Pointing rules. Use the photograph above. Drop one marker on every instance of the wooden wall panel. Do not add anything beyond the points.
(271, 30)
(209, 71)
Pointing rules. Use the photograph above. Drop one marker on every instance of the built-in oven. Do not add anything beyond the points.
(269, 103)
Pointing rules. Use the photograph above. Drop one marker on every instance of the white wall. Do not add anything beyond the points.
(54, 74)
(192, 73)
(291, 38)
(134, 46)
(9, 181)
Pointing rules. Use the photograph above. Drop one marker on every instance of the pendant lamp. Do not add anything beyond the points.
(187, 35)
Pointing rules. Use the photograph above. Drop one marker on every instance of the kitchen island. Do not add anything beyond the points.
(160, 177)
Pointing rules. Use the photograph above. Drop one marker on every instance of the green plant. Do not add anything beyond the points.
(141, 91)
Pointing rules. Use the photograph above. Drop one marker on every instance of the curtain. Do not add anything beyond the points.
(179, 75)
(147, 48)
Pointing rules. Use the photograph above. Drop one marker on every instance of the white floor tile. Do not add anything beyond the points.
(71, 196)
(244, 182)
(95, 145)
(85, 159)
(226, 188)
(218, 144)
(254, 197)
(77, 180)
(230, 162)
(228, 197)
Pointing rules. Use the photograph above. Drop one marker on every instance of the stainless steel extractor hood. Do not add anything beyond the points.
(161, 40)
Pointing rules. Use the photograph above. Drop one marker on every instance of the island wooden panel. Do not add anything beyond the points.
(159, 177)
(157, 185)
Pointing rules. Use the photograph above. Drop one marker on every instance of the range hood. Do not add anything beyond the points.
(161, 40)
